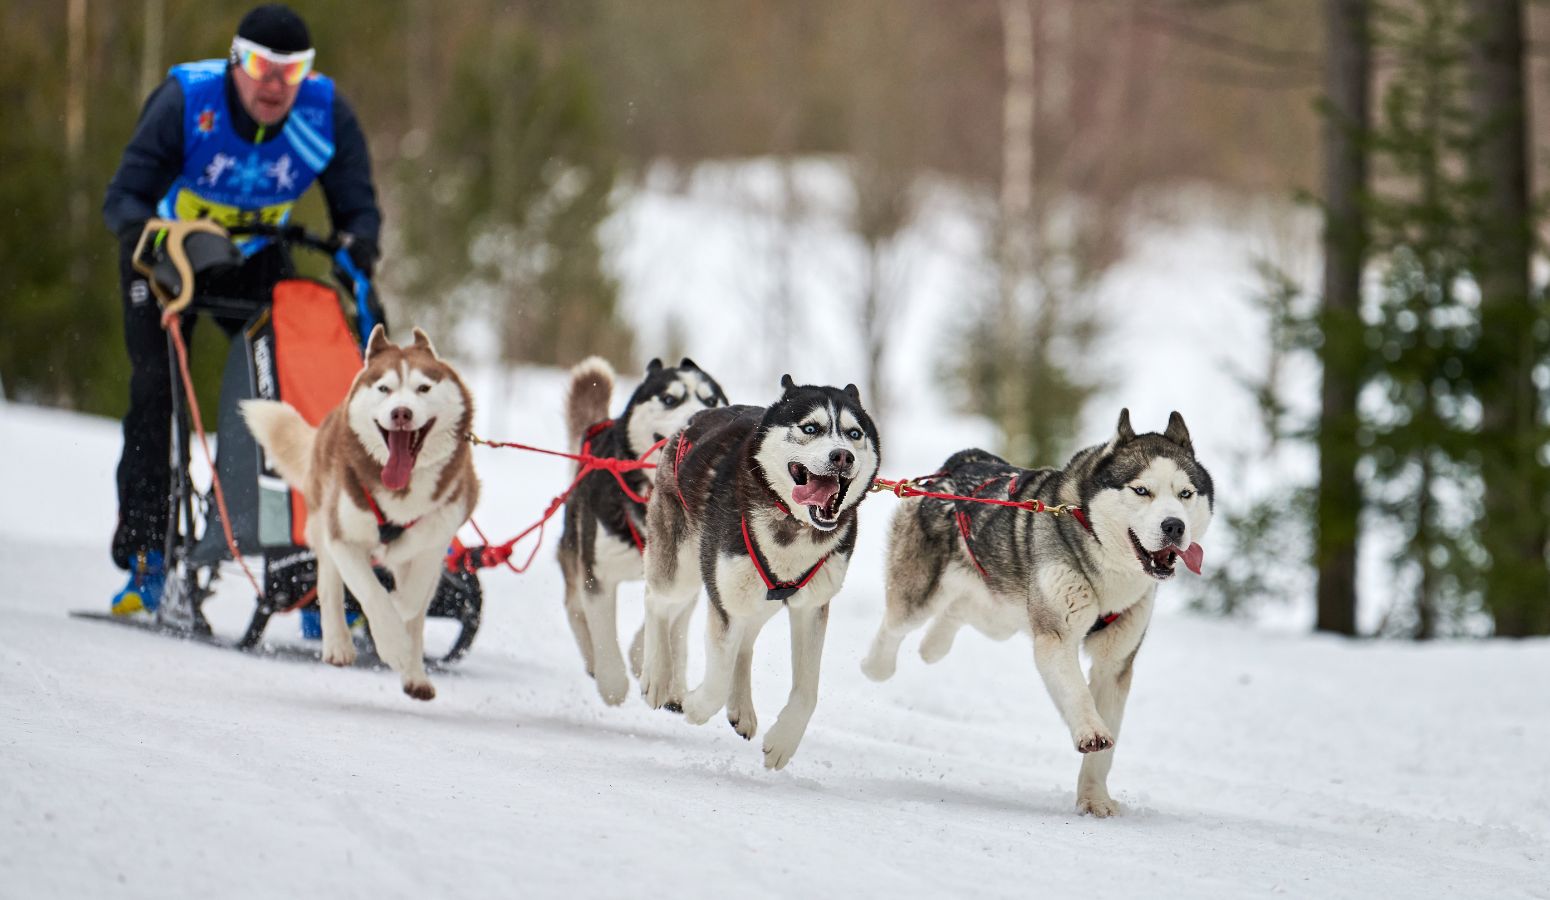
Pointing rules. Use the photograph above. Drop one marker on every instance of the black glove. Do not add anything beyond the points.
(363, 252)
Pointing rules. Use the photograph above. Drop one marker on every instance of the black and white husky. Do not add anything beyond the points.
(759, 504)
(603, 539)
(1087, 578)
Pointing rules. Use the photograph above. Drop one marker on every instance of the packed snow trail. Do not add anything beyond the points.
(1251, 762)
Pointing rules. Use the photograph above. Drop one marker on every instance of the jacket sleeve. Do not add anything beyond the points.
(346, 181)
(150, 163)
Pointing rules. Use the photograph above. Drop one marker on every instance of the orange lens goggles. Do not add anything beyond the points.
(261, 64)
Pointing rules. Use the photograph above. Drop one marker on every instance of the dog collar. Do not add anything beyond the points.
(775, 590)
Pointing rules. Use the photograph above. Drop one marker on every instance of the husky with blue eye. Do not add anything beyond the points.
(1086, 579)
(759, 505)
(603, 539)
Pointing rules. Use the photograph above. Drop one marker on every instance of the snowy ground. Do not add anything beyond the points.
(1252, 762)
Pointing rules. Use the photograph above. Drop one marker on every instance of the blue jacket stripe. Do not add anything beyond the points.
(306, 153)
(315, 140)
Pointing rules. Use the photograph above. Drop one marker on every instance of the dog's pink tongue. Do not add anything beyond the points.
(1193, 557)
(395, 475)
(817, 491)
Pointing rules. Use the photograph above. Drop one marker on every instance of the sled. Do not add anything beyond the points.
(299, 348)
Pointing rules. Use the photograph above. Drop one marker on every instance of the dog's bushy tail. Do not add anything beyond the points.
(586, 402)
(285, 436)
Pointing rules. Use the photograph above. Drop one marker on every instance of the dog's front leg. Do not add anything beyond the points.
(417, 582)
(387, 626)
(740, 711)
(1114, 654)
(808, 627)
(1056, 655)
(338, 647)
(599, 601)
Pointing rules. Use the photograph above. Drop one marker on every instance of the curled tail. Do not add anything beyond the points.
(285, 436)
(586, 402)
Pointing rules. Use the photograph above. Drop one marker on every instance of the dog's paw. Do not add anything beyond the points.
(654, 690)
(1099, 806)
(879, 667)
(420, 690)
(780, 744)
(698, 708)
(936, 646)
(613, 686)
(743, 721)
(1094, 739)
(340, 653)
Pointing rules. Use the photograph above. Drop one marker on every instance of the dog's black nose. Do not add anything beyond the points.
(1173, 529)
(403, 417)
(840, 458)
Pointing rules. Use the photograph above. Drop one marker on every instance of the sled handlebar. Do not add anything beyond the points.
(338, 250)
(294, 235)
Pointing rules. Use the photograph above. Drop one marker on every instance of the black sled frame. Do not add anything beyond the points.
(195, 545)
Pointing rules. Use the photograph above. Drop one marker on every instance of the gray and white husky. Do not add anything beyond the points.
(1082, 579)
(759, 504)
(603, 539)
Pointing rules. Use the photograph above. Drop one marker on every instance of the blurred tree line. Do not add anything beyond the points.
(503, 134)
(1433, 338)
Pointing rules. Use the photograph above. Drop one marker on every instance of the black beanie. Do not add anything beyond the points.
(276, 26)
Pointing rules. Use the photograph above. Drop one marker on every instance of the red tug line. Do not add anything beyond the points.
(469, 559)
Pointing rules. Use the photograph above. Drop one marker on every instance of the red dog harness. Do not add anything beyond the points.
(774, 590)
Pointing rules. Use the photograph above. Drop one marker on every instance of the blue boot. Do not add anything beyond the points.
(147, 577)
(312, 622)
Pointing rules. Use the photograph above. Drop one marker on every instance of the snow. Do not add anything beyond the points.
(1254, 760)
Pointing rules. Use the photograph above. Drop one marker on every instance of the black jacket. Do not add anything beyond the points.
(154, 158)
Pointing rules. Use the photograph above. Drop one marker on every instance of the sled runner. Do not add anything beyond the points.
(298, 347)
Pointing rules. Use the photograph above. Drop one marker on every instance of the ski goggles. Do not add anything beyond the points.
(260, 63)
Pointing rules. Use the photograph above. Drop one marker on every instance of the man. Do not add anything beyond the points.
(235, 140)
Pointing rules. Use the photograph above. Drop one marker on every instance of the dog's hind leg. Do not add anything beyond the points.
(808, 625)
(678, 650)
(740, 711)
(913, 590)
(723, 637)
(1114, 654)
(660, 667)
(338, 648)
(939, 637)
(638, 651)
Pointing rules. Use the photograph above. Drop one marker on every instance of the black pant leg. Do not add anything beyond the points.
(144, 467)
(144, 471)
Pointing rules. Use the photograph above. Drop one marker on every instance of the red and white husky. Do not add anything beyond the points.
(387, 478)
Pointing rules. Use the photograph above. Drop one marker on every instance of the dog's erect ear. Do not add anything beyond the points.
(654, 365)
(688, 364)
(1124, 434)
(786, 384)
(853, 392)
(1177, 432)
(378, 341)
(423, 341)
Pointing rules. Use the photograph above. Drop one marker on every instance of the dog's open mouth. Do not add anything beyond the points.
(403, 449)
(1159, 564)
(823, 495)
